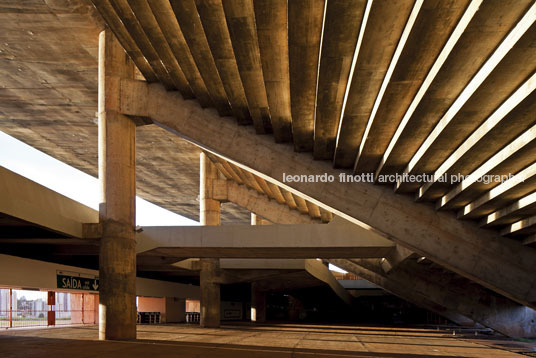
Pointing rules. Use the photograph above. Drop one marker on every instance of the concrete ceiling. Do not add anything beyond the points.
(48, 99)
(451, 90)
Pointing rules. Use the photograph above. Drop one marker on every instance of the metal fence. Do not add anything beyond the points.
(27, 308)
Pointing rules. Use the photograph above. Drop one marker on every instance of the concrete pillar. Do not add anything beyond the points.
(117, 160)
(257, 220)
(209, 215)
(258, 304)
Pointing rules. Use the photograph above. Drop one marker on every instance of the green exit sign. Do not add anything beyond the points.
(76, 281)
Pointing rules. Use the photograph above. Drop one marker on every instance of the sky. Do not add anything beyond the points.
(73, 183)
(77, 185)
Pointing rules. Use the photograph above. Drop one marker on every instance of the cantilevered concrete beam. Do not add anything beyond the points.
(336, 239)
(462, 296)
(395, 258)
(403, 291)
(459, 246)
(32, 202)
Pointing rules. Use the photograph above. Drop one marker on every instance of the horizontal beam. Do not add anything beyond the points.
(336, 239)
(26, 200)
(460, 246)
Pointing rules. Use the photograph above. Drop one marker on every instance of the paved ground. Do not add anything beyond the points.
(269, 341)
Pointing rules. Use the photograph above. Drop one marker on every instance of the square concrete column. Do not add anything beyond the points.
(117, 175)
(209, 215)
(258, 297)
(258, 304)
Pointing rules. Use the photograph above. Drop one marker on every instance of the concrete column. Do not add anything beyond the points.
(117, 160)
(258, 297)
(258, 304)
(257, 220)
(209, 215)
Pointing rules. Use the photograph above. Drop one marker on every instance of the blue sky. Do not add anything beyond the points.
(73, 183)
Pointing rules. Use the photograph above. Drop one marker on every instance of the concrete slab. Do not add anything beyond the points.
(241, 340)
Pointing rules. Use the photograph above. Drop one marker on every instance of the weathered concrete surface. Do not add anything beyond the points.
(263, 341)
(117, 208)
(395, 258)
(29, 201)
(209, 216)
(454, 293)
(401, 290)
(261, 205)
(48, 99)
(20, 272)
(336, 239)
(459, 246)
(258, 304)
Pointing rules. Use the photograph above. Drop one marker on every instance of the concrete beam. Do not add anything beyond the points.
(20, 272)
(403, 291)
(261, 205)
(531, 240)
(29, 201)
(395, 258)
(459, 246)
(317, 269)
(511, 188)
(336, 239)
(462, 296)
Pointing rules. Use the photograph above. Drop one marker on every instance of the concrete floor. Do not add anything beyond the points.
(284, 340)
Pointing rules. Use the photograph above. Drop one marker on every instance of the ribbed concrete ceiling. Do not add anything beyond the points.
(374, 86)
(377, 87)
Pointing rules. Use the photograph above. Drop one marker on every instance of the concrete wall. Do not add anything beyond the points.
(175, 310)
(26, 273)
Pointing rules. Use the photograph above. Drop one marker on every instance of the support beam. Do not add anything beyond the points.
(503, 163)
(337, 239)
(209, 216)
(521, 227)
(117, 175)
(531, 240)
(459, 246)
(502, 193)
(517, 210)
(260, 204)
(501, 123)
(429, 148)
(464, 297)
(395, 258)
(26, 200)
(402, 290)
